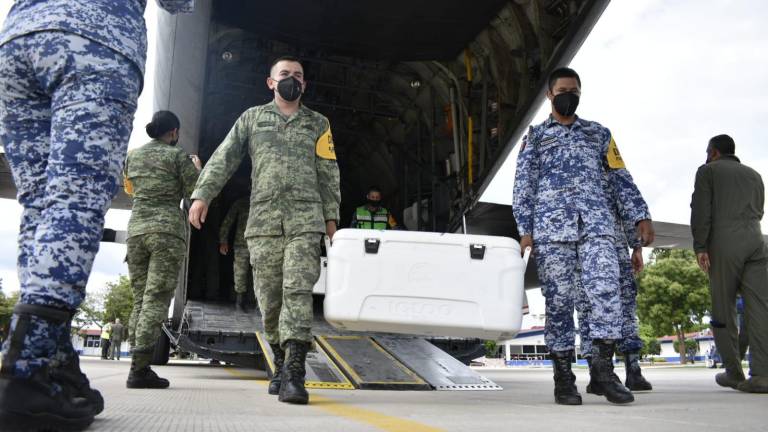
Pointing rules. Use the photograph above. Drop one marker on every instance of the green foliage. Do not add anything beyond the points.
(690, 345)
(100, 308)
(7, 304)
(118, 301)
(491, 348)
(651, 345)
(673, 294)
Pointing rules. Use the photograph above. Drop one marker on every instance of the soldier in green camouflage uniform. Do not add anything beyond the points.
(158, 175)
(238, 216)
(294, 199)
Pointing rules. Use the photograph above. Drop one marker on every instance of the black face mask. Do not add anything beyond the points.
(289, 88)
(374, 203)
(565, 104)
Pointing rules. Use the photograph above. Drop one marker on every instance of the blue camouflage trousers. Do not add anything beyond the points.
(558, 266)
(630, 340)
(66, 113)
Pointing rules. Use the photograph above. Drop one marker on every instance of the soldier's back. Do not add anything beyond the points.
(155, 173)
(738, 193)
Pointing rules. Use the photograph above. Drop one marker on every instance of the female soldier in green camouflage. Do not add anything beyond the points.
(158, 175)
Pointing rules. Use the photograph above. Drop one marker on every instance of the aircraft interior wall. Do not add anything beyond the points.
(422, 101)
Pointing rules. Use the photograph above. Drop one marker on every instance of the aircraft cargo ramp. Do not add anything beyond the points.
(338, 360)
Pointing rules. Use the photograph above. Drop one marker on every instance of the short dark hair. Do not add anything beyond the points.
(284, 58)
(373, 188)
(724, 144)
(562, 72)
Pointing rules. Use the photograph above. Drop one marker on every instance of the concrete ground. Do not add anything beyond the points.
(218, 398)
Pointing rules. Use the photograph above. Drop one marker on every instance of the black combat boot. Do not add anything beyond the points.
(277, 374)
(141, 375)
(593, 387)
(292, 387)
(603, 376)
(240, 302)
(565, 381)
(635, 379)
(39, 402)
(69, 373)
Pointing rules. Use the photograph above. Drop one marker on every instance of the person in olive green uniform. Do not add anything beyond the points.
(726, 209)
(116, 339)
(294, 199)
(238, 216)
(158, 175)
(372, 215)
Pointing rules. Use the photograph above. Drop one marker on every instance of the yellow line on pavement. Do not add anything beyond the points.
(382, 421)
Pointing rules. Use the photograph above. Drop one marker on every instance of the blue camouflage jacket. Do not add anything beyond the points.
(117, 24)
(564, 181)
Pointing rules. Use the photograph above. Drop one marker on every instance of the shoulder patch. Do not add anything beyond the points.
(614, 157)
(324, 146)
(127, 186)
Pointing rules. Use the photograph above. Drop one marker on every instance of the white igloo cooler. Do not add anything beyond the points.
(425, 283)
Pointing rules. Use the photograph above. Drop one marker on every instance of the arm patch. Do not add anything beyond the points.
(127, 186)
(324, 147)
(614, 157)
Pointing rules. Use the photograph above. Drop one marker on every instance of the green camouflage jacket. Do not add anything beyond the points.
(294, 175)
(237, 214)
(158, 176)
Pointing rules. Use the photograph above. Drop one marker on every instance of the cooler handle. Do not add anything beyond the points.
(527, 255)
(372, 245)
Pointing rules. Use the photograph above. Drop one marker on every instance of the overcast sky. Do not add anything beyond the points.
(663, 76)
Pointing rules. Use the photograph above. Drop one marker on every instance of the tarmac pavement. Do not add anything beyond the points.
(205, 397)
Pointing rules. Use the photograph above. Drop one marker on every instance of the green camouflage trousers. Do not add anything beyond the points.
(241, 269)
(154, 261)
(285, 269)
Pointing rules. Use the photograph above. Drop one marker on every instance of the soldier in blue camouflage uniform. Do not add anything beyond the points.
(70, 74)
(630, 343)
(565, 167)
(295, 197)
(237, 216)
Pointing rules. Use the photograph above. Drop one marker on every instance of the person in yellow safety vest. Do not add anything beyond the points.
(372, 215)
(106, 335)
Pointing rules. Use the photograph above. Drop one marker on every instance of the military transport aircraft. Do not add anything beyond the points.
(425, 98)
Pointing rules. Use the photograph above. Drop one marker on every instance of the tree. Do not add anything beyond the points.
(651, 345)
(7, 303)
(102, 307)
(91, 310)
(118, 302)
(691, 345)
(491, 349)
(673, 295)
